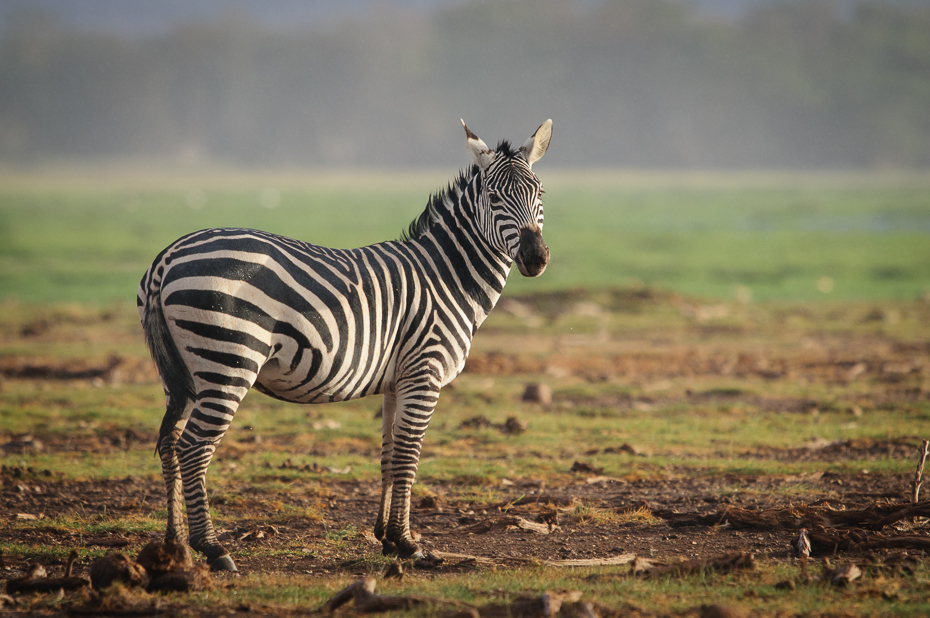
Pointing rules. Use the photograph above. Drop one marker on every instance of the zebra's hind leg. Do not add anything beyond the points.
(171, 470)
(211, 416)
(388, 413)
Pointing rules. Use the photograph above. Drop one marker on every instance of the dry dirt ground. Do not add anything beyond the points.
(687, 510)
(580, 512)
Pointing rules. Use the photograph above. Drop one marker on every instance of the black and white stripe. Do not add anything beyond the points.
(225, 310)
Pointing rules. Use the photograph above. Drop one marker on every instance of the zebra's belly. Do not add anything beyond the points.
(321, 378)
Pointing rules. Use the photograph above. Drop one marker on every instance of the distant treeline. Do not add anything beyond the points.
(633, 83)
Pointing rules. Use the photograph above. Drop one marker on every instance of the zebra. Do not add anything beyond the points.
(225, 310)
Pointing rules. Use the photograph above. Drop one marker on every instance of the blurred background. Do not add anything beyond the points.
(749, 150)
(668, 84)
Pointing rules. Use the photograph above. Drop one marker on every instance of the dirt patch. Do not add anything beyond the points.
(115, 370)
(586, 517)
(881, 363)
(841, 450)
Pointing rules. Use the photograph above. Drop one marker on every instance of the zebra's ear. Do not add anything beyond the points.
(535, 147)
(478, 149)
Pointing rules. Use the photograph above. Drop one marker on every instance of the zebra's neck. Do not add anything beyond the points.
(448, 231)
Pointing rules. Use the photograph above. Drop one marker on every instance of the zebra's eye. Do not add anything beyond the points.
(495, 197)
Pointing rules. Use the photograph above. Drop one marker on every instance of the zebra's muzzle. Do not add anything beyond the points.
(533, 254)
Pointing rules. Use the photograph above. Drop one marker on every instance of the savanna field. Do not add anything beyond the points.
(719, 361)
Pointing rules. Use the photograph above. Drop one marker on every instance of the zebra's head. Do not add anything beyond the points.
(509, 206)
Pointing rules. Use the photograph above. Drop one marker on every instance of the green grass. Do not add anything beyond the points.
(686, 436)
(683, 440)
(753, 591)
(762, 237)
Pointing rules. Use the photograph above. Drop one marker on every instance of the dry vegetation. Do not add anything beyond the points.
(668, 466)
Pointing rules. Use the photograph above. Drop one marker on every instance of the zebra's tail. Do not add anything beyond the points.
(179, 384)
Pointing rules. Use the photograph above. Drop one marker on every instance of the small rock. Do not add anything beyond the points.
(538, 393)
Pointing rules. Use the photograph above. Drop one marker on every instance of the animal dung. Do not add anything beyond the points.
(159, 567)
(117, 568)
(513, 425)
(160, 558)
(185, 580)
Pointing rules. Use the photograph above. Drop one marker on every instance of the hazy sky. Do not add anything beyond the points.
(141, 16)
(629, 83)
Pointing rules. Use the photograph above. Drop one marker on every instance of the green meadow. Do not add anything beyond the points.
(762, 237)
(710, 341)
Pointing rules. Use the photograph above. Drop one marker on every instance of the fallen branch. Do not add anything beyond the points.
(577, 562)
(731, 561)
(46, 584)
(921, 509)
(445, 555)
(507, 522)
(584, 562)
(828, 540)
(36, 581)
(874, 517)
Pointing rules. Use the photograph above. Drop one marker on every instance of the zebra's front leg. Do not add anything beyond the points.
(195, 449)
(415, 409)
(388, 414)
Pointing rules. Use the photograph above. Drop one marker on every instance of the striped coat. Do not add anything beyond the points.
(226, 310)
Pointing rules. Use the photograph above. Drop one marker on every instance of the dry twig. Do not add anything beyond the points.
(920, 470)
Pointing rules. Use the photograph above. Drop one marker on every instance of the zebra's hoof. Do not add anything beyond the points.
(427, 560)
(412, 550)
(388, 548)
(224, 563)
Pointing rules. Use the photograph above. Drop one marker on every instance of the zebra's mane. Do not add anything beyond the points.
(439, 201)
(504, 148)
